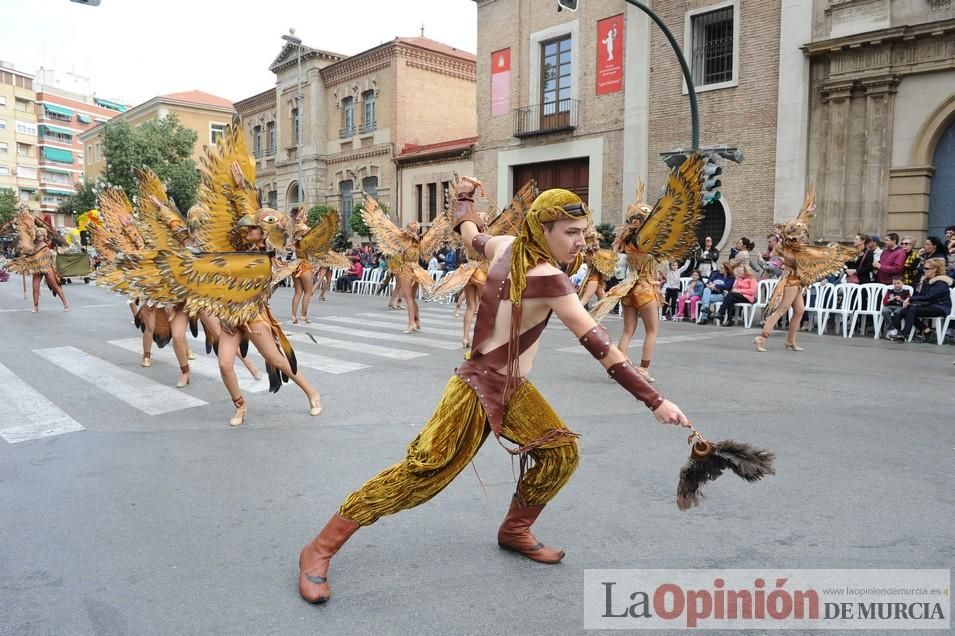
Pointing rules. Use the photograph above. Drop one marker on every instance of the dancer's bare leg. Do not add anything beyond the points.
(799, 307)
(308, 289)
(228, 350)
(178, 323)
(629, 328)
(149, 328)
(394, 302)
(650, 314)
(470, 296)
(36, 291)
(54, 282)
(296, 297)
(251, 368)
(414, 301)
(406, 290)
(789, 298)
(590, 288)
(261, 337)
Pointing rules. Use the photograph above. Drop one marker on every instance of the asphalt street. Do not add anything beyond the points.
(153, 516)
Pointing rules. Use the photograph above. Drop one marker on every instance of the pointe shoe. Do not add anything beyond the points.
(147, 361)
(184, 377)
(646, 374)
(239, 416)
(793, 347)
(515, 534)
(760, 343)
(314, 558)
(314, 405)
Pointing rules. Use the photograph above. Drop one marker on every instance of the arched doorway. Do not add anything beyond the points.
(292, 197)
(716, 223)
(941, 211)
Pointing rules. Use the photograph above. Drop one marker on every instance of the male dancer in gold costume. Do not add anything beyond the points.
(489, 392)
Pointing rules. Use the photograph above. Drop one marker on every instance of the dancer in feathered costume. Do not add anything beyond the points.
(489, 393)
(664, 232)
(310, 256)
(410, 247)
(470, 277)
(228, 272)
(803, 265)
(601, 263)
(35, 257)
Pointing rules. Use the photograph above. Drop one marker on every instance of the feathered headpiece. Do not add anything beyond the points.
(640, 209)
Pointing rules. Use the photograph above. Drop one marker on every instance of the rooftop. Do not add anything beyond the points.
(199, 97)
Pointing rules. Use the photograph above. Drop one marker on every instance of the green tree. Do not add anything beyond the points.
(82, 200)
(357, 223)
(607, 233)
(161, 144)
(9, 204)
(318, 212)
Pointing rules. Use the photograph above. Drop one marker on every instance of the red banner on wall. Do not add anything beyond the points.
(610, 55)
(501, 82)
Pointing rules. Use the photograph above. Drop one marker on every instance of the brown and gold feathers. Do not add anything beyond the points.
(605, 261)
(708, 460)
(391, 241)
(510, 219)
(669, 232)
(318, 240)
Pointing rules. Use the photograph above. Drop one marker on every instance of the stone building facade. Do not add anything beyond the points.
(882, 127)
(614, 135)
(357, 113)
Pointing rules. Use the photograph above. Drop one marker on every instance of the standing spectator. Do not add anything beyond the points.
(673, 287)
(859, 269)
(892, 262)
(910, 272)
(694, 292)
(716, 288)
(933, 247)
(450, 260)
(744, 291)
(931, 299)
(892, 304)
(706, 257)
(950, 239)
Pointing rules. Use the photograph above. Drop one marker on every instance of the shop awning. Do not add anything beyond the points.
(58, 110)
(56, 129)
(58, 155)
(105, 103)
(84, 119)
(65, 193)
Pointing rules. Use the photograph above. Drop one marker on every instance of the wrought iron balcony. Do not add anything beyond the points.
(541, 119)
(345, 133)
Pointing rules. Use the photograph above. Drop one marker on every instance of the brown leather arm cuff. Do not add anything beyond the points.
(624, 374)
(464, 211)
(596, 341)
(480, 243)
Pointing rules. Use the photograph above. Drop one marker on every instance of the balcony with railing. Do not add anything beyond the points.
(540, 119)
(367, 127)
(347, 132)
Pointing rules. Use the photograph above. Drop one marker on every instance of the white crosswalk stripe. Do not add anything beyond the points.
(206, 366)
(426, 327)
(427, 320)
(318, 362)
(358, 347)
(408, 339)
(148, 396)
(638, 342)
(27, 414)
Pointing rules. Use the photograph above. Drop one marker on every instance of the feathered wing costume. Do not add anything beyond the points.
(403, 248)
(313, 245)
(601, 262)
(221, 274)
(665, 232)
(34, 255)
(475, 270)
(804, 264)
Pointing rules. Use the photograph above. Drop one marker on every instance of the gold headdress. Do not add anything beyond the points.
(639, 210)
(530, 246)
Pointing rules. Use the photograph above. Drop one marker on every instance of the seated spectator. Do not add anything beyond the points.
(433, 265)
(694, 292)
(771, 262)
(716, 288)
(347, 280)
(892, 304)
(910, 273)
(931, 299)
(743, 292)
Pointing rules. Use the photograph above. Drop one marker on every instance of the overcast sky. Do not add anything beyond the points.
(133, 50)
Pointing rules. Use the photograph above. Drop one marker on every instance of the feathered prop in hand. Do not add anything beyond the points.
(708, 460)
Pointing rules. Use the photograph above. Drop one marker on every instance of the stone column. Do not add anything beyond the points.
(837, 100)
(880, 101)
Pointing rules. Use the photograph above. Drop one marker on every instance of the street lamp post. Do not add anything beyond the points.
(571, 5)
(291, 39)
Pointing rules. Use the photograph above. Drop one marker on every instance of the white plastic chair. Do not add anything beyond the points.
(839, 305)
(945, 322)
(868, 302)
(369, 281)
(684, 284)
(814, 298)
(764, 291)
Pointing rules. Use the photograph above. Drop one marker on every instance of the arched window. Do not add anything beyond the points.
(292, 196)
(941, 210)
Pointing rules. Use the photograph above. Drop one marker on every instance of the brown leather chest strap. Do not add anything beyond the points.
(491, 297)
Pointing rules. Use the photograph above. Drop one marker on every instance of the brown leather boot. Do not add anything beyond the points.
(314, 559)
(515, 534)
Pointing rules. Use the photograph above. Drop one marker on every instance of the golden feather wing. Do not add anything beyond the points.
(669, 233)
(160, 223)
(226, 191)
(319, 239)
(605, 261)
(813, 263)
(509, 221)
(233, 287)
(808, 211)
(439, 232)
(455, 281)
(331, 259)
(612, 297)
(390, 239)
(25, 225)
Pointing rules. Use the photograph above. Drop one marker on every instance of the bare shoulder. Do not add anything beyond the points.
(496, 246)
(543, 269)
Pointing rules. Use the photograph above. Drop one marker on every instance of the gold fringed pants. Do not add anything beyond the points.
(451, 439)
